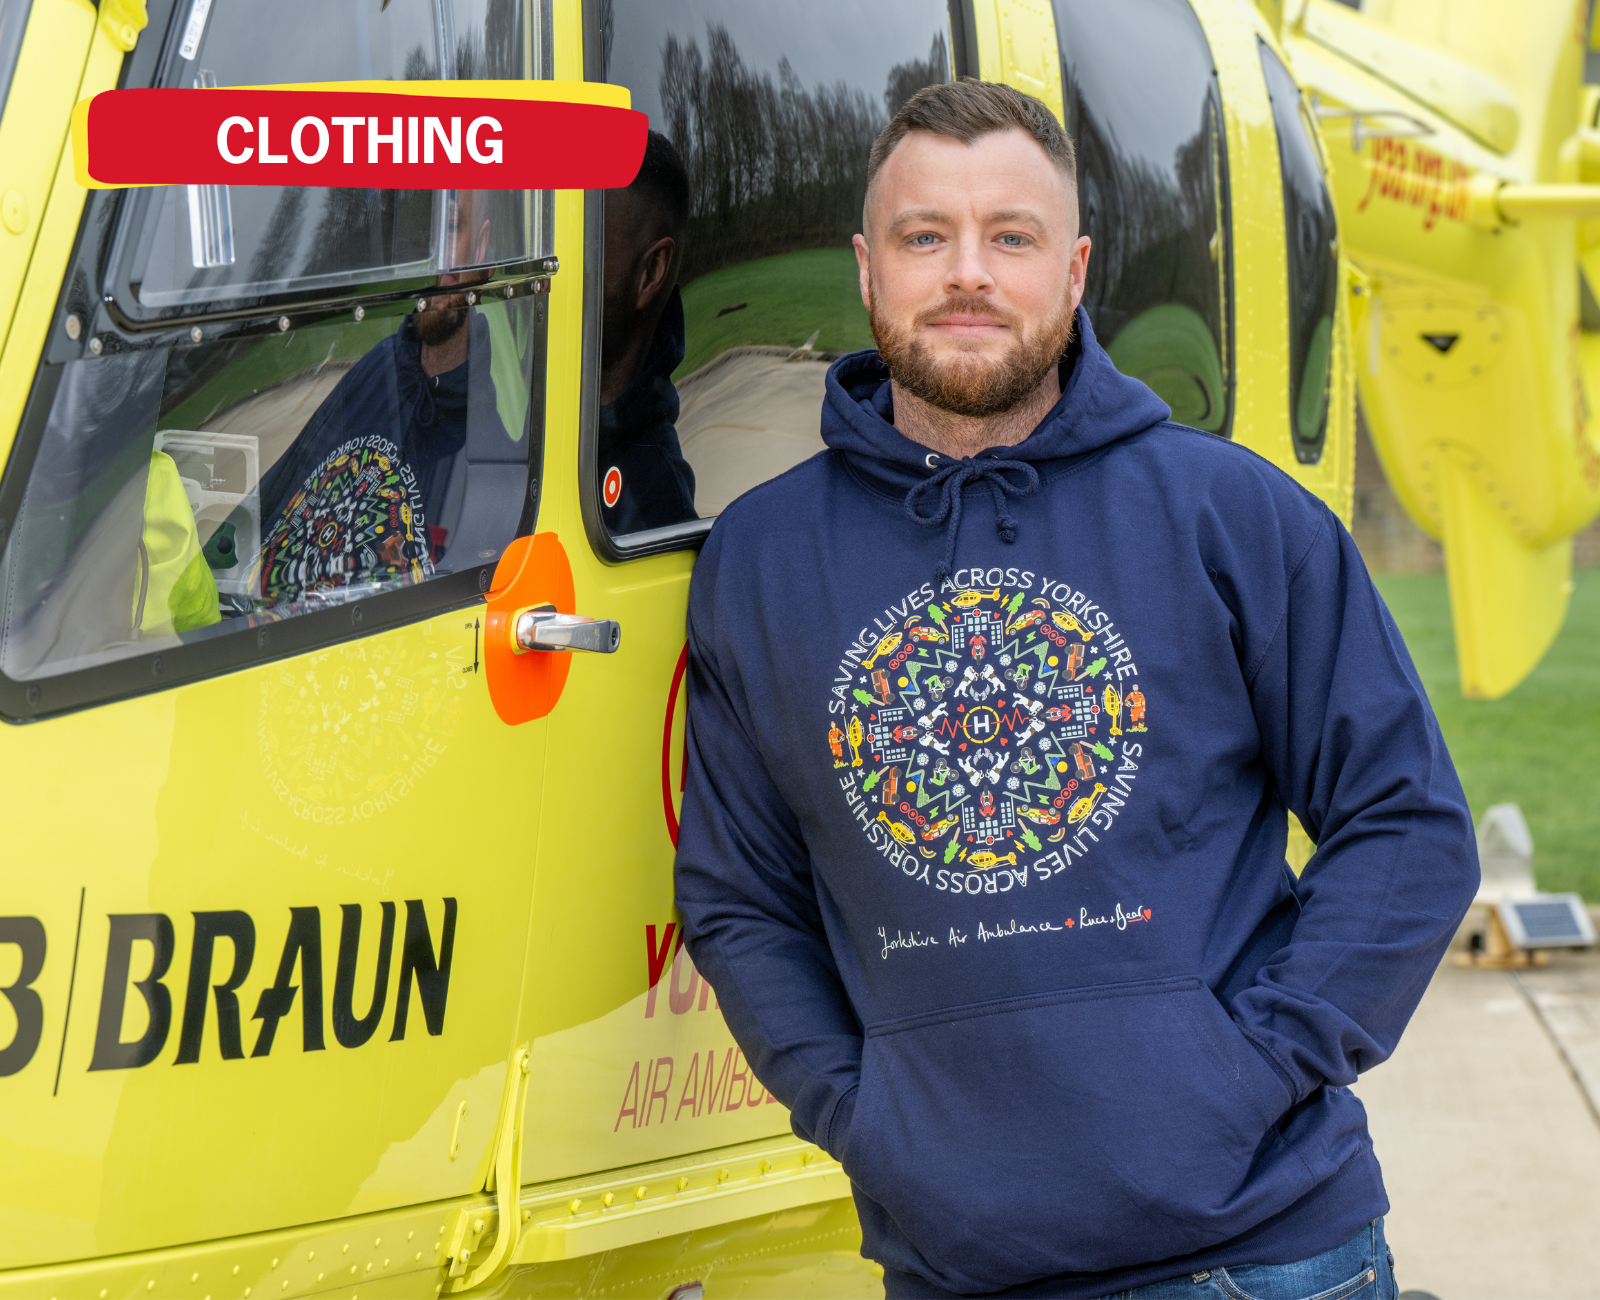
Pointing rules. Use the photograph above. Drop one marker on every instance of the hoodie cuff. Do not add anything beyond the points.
(836, 1128)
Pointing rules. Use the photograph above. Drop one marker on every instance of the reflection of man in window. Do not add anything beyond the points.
(373, 487)
(642, 344)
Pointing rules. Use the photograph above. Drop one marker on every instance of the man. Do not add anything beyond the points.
(645, 481)
(1079, 1031)
(372, 488)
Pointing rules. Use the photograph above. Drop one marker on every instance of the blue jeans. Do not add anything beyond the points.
(1361, 1269)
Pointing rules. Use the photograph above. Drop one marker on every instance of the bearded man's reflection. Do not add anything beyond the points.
(641, 345)
(372, 490)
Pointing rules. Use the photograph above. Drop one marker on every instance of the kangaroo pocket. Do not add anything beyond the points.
(1075, 1131)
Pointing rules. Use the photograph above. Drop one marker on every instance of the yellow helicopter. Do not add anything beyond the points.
(1466, 166)
(341, 781)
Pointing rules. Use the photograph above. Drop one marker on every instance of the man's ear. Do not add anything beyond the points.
(859, 242)
(655, 271)
(1080, 270)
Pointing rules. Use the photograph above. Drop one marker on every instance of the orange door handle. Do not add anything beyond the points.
(534, 571)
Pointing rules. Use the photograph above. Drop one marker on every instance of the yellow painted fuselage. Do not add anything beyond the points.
(1450, 130)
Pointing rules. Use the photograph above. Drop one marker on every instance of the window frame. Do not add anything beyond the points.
(690, 534)
(123, 312)
(88, 269)
(685, 536)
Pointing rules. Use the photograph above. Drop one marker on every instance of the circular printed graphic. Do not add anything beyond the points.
(356, 518)
(611, 486)
(353, 731)
(988, 731)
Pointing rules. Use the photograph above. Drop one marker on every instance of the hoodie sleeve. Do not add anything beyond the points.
(751, 917)
(1349, 736)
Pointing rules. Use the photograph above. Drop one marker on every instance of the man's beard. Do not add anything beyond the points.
(969, 383)
(440, 325)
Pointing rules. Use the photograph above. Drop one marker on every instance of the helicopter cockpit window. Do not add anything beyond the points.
(1153, 193)
(183, 483)
(729, 278)
(1311, 232)
(205, 246)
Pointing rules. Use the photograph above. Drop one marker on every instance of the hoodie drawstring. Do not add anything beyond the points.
(951, 481)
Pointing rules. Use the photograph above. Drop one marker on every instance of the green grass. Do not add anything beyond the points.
(788, 297)
(1539, 746)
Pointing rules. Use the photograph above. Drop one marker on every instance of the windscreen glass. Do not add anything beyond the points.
(729, 275)
(181, 493)
(1145, 112)
(1311, 232)
(194, 245)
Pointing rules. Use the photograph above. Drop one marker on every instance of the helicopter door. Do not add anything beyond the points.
(261, 927)
(726, 287)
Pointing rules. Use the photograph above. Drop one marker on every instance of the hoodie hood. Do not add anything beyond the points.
(1098, 406)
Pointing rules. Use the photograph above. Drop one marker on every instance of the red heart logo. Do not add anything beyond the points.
(1147, 913)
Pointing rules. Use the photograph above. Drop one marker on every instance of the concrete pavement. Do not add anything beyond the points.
(1487, 1125)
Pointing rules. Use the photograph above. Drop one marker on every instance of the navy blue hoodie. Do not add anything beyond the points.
(983, 840)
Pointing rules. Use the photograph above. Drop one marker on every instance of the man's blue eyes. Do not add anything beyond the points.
(926, 240)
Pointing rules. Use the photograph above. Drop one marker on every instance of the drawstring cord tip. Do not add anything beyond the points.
(950, 482)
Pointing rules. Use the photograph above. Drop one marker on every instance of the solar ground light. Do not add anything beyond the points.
(1520, 923)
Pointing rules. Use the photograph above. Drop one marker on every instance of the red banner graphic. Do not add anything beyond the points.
(360, 139)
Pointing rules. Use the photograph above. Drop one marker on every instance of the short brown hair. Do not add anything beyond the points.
(969, 108)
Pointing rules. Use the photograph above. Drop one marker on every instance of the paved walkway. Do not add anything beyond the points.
(1487, 1122)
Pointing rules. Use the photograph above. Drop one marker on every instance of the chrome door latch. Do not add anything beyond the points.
(544, 629)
